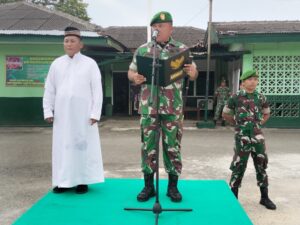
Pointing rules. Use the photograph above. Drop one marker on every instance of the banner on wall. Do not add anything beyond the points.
(27, 71)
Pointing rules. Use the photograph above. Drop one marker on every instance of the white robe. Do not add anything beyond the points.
(73, 95)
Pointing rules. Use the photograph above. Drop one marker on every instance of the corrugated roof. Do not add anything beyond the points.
(46, 32)
(256, 27)
(27, 16)
(133, 36)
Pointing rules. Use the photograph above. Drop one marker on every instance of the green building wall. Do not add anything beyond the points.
(22, 105)
(279, 67)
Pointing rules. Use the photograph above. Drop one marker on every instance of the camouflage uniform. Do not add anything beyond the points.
(169, 114)
(222, 94)
(248, 110)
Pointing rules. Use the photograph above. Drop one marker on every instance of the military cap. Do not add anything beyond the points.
(223, 79)
(72, 31)
(161, 17)
(249, 73)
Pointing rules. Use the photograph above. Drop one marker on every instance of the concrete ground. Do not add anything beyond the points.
(25, 165)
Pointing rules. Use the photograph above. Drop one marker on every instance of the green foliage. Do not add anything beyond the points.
(43, 2)
(9, 1)
(75, 8)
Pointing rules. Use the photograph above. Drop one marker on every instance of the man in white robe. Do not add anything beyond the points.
(73, 102)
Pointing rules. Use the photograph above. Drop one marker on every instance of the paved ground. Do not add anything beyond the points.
(25, 166)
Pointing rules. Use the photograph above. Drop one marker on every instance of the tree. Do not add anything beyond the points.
(44, 2)
(38, 2)
(9, 1)
(73, 7)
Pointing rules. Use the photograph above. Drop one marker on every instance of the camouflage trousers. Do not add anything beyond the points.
(171, 130)
(244, 146)
(218, 111)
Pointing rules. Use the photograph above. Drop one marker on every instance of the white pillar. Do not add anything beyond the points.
(148, 20)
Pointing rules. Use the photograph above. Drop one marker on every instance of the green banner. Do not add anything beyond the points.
(27, 71)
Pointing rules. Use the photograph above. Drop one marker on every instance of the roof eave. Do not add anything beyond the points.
(95, 40)
(258, 37)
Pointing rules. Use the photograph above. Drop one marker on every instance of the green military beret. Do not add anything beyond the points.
(249, 73)
(161, 17)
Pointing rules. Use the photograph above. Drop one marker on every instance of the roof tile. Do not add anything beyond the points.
(133, 37)
(27, 16)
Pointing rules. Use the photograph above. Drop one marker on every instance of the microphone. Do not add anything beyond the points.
(154, 35)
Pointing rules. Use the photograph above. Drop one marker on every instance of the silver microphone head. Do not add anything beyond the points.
(154, 34)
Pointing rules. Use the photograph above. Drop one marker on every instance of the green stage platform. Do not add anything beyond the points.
(211, 200)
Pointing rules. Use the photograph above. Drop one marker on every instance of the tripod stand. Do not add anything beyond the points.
(157, 208)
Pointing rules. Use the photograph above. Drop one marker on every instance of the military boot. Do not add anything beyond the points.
(235, 191)
(149, 190)
(265, 199)
(173, 192)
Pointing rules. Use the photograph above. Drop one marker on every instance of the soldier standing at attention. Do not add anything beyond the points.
(249, 110)
(170, 113)
(221, 96)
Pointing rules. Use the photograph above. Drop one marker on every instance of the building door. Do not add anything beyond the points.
(196, 94)
(120, 93)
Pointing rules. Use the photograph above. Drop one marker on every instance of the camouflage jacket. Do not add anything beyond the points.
(248, 110)
(222, 94)
(170, 97)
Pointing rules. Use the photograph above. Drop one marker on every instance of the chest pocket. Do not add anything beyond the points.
(249, 109)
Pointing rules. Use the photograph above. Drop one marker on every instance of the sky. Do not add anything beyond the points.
(189, 12)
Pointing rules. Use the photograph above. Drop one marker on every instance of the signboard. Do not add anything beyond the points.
(27, 71)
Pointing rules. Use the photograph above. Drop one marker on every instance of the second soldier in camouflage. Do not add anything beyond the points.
(248, 110)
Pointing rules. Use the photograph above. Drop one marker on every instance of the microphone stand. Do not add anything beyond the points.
(157, 208)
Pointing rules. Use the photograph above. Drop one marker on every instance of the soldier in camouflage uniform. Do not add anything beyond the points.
(248, 110)
(221, 96)
(169, 115)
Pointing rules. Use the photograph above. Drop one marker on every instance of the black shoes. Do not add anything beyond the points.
(58, 190)
(148, 190)
(173, 191)
(235, 191)
(265, 200)
(267, 203)
(81, 189)
(146, 194)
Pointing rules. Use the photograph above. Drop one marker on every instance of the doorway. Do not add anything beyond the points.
(120, 93)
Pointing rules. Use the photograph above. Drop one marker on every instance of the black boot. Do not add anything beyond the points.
(173, 192)
(149, 190)
(265, 199)
(235, 191)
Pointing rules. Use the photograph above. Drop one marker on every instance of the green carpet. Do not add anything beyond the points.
(211, 200)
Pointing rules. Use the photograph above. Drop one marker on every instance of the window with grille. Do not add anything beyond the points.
(279, 75)
(280, 81)
(284, 106)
